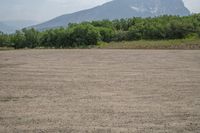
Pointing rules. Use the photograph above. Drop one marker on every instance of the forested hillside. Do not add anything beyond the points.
(90, 33)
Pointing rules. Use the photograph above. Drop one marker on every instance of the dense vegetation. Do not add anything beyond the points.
(90, 33)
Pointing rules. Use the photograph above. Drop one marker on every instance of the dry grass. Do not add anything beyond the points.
(100, 91)
(160, 44)
(6, 48)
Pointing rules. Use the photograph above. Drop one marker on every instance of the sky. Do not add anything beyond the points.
(43, 10)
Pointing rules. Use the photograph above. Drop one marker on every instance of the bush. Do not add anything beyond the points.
(120, 36)
(84, 34)
(106, 34)
(90, 33)
(18, 40)
(4, 40)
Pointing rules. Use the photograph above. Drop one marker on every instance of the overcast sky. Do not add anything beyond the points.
(42, 10)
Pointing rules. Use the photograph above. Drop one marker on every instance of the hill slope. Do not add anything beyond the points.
(19, 24)
(12, 26)
(117, 9)
(5, 28)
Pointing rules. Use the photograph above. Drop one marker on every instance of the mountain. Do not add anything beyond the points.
(13, 25)
(19, 24)
(5, 28)
(117, 9)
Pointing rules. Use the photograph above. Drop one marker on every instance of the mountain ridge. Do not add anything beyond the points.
(117, 9)
(11, 26)
(5, 28)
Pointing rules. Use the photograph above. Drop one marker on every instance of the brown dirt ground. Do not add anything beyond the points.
(100, 91)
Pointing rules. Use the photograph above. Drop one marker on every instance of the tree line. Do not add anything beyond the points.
(90, 33)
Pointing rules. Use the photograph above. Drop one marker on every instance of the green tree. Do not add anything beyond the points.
(120, 36)
(31, 37)
(89, 33)
(4, 40)
(18, 40)
(83, 35)
(135, 32)
(107, 34)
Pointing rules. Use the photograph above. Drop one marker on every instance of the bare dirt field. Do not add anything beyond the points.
(100, 91)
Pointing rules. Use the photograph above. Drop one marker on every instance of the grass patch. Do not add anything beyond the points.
(6, 48)
(153, 44)
(193, 43)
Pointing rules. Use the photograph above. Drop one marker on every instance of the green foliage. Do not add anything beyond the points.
(91, 33)
(120, 36)
(31, 37)
(84, 34)
(106, 34)
(18, 40)
(103, 23)
(123, 24)
(4, 40)
(135, 32)
(27, 38)
(52, 38)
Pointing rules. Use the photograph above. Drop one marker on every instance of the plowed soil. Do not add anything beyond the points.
(100, 91)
